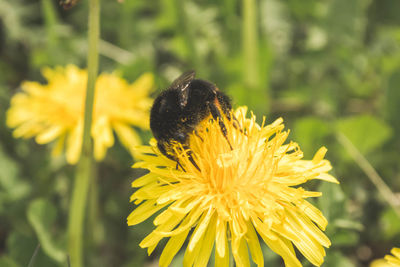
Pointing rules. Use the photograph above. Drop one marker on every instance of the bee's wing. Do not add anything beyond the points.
(182, 85)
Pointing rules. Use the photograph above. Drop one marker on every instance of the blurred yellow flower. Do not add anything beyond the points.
(389, 260)
(55, 111)
(236, 196)
(395, 259)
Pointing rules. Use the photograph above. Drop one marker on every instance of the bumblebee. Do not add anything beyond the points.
(179, 109)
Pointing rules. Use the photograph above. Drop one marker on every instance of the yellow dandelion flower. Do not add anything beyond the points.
(55, 111)
(395, 259)
(389, 260)
(233, 197)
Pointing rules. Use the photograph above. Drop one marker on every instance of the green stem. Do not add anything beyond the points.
(52, 36)
(228, 11)
(188, 35)
(51, 21)
(257, 96)
(33, 258)
(371, 173)
(83, 174)
(250, 44)
(93, 212)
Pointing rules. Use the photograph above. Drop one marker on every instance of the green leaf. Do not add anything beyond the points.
(390, 224)
(348, 224)
(310, 133)
(340, 230)
(8, 170)
(337, 259)
(13, 188)
(332, 201)
(366, 132)
(7, 261)
(392, 106)
(41, 215)
(341, 237)
(21, 247)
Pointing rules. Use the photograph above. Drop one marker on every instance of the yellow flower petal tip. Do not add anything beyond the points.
(234, 196)
(390, 260)
(54, 111)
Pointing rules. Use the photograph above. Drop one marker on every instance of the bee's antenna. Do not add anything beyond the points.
(193, 162)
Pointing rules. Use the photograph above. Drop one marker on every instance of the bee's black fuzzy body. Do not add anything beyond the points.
(178, 110)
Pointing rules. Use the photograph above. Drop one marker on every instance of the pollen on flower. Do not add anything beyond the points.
(236, 195)
(54, 111)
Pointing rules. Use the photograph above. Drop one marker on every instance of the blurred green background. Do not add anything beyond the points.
(325, 66)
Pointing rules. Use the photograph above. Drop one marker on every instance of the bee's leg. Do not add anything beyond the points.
(179, 165)
(191, 159)
(226, 108)
(197, 134)
(218, 117)
(193, 162)
(235, 121)
(171, 157)
(236, 124)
